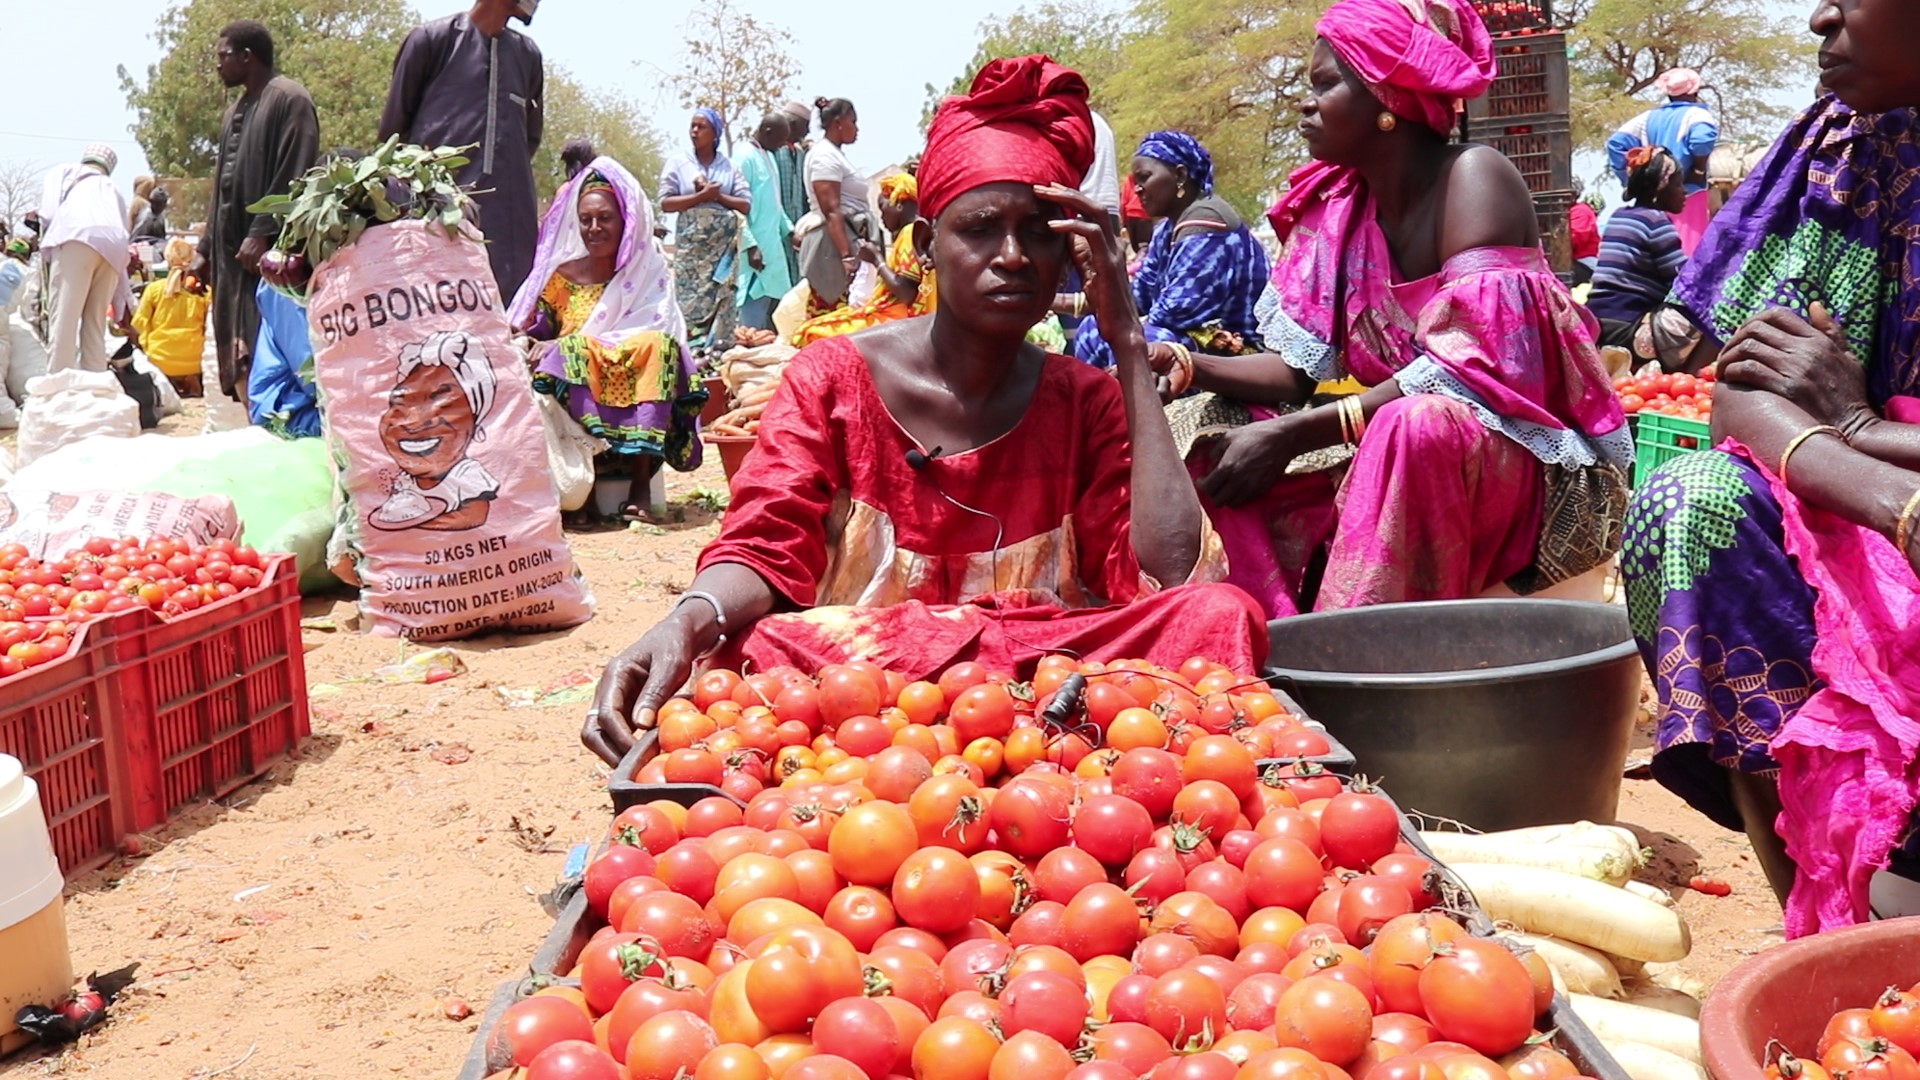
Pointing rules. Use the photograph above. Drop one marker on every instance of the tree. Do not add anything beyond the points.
(19, 191)
(613, 123)
(1231, 73)
(734, 64)
(341, 50)
(1088, 36)
(1742, 49)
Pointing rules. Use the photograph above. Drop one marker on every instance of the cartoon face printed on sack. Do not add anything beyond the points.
(442, 393)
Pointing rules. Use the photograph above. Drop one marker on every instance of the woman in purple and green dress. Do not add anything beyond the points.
(1771, 582)
(608, 335)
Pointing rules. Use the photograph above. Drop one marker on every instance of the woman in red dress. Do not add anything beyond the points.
(936, 489)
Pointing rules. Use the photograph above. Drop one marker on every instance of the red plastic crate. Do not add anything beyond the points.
(64, 721)
(222, 695)
(1540, 147)
(1514, 16)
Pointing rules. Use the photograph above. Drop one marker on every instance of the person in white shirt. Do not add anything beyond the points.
(1102, 184)
(85, 247)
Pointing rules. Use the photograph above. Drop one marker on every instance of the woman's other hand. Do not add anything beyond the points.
(1251, 459)
(867, 252)
(1805, 361)
(1108, 291)
(635, 684)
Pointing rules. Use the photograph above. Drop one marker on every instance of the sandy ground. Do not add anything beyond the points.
(320, 923)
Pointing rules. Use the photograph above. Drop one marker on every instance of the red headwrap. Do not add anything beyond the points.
(1421, 58)
(1025, 120)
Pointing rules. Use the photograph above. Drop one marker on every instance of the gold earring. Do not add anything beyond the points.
(1388, 121)
(1180, 192)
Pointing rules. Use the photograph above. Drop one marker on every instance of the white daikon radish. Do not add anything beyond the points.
(1672, 978)
(1650, 892)
(1577, 832)
(1617, 1021)
(1609, 863)
(1659, 997)
(1583, 970)
(1642, 1062)
(1577, 909)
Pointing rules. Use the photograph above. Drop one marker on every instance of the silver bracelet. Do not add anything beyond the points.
(719, 613)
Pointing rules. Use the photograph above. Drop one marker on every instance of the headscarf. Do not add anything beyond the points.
(1680, 82)
(1180, 148)
(1641, 157)
(640, 295)
(713, 119)
(178, 253)
(1421, 58)
(102, 155)
(465, 358)
(899, 188)
(1024, 120)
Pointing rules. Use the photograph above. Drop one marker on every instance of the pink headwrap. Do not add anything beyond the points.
(1680, 82)
(1421, 58)
(1025, 120)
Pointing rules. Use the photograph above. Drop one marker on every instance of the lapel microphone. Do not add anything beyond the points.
(918, 460)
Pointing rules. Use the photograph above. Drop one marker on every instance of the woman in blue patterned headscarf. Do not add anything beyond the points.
(710, 198)
(1203, 271)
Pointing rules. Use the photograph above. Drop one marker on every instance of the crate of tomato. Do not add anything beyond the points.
(1671, 415)
(141, 677)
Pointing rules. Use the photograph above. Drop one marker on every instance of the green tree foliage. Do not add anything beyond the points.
(1089, 36)
(1745, 50)
(735, 64)
(612, 122)
(341, 50)
(1229, 72)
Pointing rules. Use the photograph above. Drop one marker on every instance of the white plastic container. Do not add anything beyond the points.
(33, 925)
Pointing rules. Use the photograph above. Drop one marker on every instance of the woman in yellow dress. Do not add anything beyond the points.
(171, 323)
(610, 338)
(906, 287)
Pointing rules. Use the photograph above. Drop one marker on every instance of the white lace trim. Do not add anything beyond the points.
(1291, 341)
(1553, 446)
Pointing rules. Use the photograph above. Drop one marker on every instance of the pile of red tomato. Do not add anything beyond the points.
(1881, 1042)
(43, 602)
(1162, 910)
(859, 723)
(1689, 397)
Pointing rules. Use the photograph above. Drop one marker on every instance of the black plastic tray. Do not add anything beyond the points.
(555, 957)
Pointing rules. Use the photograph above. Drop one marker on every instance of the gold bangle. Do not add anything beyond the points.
(1794, 444)
(1354, 421)
(1359, 419)
(1340, 413)
(1903, 532)
(1079, 305)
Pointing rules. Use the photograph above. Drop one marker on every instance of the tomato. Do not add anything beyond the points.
(574, 1059)
(1043, 923)
(1284, 873)
(1031, 817)
(669, 1045)
(1186, 1007)
(530, 1026)
(1030, 1056)
(1367, 904)
(1870, 1059)
(749, 877)
(908, 974)
(1400, 951)
(612, 963)
(1111, 828)
(937, 890)
(982, 712)
(1136, 728)
(1155, 874)
(870, 841)
(1104, 703)
(1843, 1025)
(1539, 1062)
(1896, 1018)
(860, 1030)
(954, 1048)
(1046, 1002)
(1326, 1017)
(1476, 992)
(732, 1061)
(1197, 916)
(1150, 777)
(1208, 805)
(1285, 1063)
(1358, 829)
(1253, 1003)
(1100, 919)
(1410, 872)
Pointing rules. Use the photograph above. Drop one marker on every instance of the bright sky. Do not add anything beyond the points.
(64, 93)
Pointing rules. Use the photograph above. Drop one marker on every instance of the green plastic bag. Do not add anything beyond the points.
(283, 490)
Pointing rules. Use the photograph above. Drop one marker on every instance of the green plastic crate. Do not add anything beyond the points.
(1658, 438)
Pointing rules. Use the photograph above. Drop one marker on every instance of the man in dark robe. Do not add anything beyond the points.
(791, 160)
(469, 79)
(268, 138)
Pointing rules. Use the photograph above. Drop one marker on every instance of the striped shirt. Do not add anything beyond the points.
(1639, 258)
